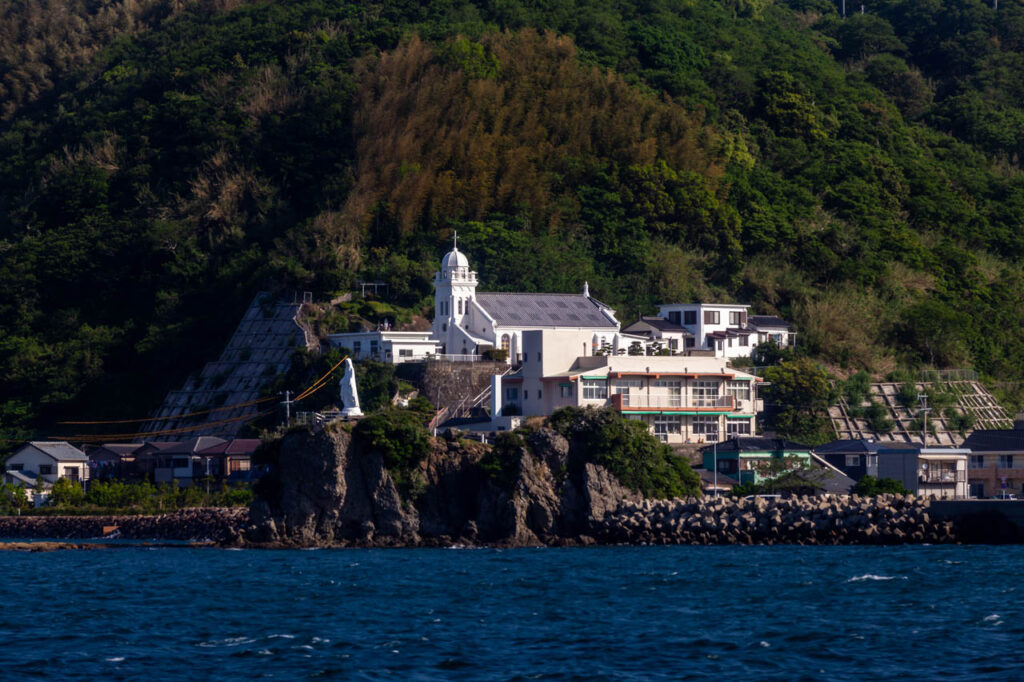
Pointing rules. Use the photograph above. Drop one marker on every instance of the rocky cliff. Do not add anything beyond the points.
(330, 489)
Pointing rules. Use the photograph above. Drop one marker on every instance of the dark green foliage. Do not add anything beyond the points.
(402, 440)
(501, 463)
(957, 421)
(907, 394)
(13, 499)
(871, 486)
(142, 497)
(797, 399)
(861, 177)
(627, 449)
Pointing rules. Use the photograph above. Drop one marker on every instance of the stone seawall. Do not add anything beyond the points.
(217, 525)
(887, 519)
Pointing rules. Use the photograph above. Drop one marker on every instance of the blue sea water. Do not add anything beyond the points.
(627, 613)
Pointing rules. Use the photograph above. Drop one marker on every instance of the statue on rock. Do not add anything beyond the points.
(349, 395)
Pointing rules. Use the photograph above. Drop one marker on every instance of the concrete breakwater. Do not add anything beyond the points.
(220, 525)
(887, 519)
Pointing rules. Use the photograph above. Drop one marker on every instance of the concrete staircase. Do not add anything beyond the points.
(972, 398)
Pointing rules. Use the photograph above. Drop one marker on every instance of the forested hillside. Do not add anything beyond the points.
(162, 160)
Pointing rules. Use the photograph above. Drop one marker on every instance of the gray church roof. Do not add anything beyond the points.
(544, 310)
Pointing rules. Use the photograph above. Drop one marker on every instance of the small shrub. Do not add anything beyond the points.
(872, 486)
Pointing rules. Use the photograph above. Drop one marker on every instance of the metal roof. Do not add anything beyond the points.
(61, 451)
(758, 321)
(852, 446)
(545, 310)
(757, 444)
(995, 440)
(661, 324)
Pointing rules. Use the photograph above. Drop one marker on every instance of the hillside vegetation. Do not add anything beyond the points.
(161, 161)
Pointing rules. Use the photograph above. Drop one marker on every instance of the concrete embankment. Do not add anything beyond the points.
(217, 525)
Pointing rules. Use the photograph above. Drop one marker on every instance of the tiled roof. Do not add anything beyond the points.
(544, 310)
(732, 332)
(995, 440)
(661, 324)
(120, 448)
(854, 446)
(758, 321)
(60, 450)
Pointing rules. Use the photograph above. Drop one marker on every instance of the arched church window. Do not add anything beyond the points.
(506, 342)
(460, 305)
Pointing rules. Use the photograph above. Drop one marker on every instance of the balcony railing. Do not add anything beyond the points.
(941, 476)
(671, 402)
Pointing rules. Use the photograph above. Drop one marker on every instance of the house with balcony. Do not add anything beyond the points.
(751, 459)
(938, 472)
(681, 399)
(726, 329)
(48, 460)
(996, 461)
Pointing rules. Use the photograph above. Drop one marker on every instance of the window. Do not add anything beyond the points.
(357, 347)
(711, 317)
(506, 342)
(15, 467)
(690, 317)
(526, 394)
(1005, 461)
(595, 389)
(737, 427)
(565, 390)
(459, 304)
(45, 469)
(444, 309)
(374, 347)
(625, 385)
(853, 460)
(540, 393)
(444, 326)
(240, 465)
(705, 394)
(512, 394)
(691, 342)
(737, 317)
(977, 461)
(673, 317)
(739, 390)
(405, 352)
(730, 342)
(673, 390)
(538, 356)
(707, 427)
(665, 424)
(744, 340)
(71, 473)
(179, 462)
(673, 344)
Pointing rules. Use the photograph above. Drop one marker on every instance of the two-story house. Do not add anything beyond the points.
(996, 461)
(727, 329)
(49, 460)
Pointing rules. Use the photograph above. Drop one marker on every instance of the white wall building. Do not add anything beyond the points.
(49, 460)
(682, 399)
(726, 328)
(387, 346)
(467, 321)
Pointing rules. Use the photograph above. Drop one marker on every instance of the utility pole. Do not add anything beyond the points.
(288, 402)
(923, 398)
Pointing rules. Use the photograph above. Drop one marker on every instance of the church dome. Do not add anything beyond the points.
(454, 259)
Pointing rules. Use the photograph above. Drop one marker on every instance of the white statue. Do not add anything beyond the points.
(349, 395)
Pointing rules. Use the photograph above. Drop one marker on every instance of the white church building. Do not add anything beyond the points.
(467, 322)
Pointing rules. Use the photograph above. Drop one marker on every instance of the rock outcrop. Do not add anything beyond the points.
(330, 490)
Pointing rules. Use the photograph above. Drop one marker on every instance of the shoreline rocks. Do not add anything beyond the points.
(219, 525)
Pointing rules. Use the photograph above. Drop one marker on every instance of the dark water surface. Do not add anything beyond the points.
(637, 613)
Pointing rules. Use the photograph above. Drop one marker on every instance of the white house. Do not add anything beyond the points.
(467, 321)
(682, 399)
(726, 328)
(387, 345)
(49, 460)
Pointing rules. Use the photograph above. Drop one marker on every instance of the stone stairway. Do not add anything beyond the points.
(260, 349)
(971, 398)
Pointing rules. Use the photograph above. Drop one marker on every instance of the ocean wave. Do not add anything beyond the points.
(872, 576)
